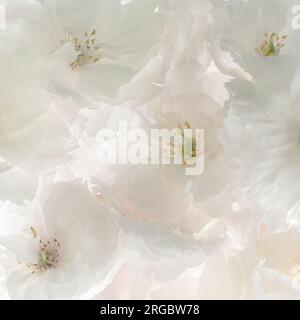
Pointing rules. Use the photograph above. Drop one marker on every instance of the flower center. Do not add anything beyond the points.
(271, 45)
(48, 254)
(180, 145)
(188, 140)
(87, 49)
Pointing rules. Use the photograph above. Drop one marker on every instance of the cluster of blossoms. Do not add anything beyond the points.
(72, 227)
